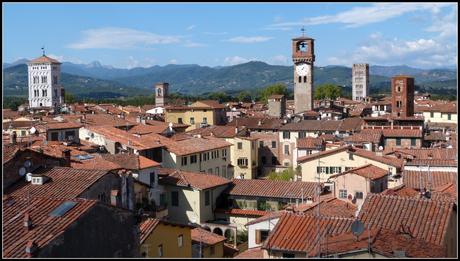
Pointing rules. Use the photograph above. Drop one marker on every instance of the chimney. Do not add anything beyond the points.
(66, 156)
(27, 222)
(13, 137)
(31, 248)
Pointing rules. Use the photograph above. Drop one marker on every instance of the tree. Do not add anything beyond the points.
(286, 175)
(69, 98)
(244, 96)
(273, 89)
(329, 91)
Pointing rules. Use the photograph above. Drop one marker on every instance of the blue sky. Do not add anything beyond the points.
(140, 35)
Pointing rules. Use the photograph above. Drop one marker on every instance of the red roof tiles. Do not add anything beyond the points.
(206, 237)
(242, 212)
(64, 183)
(367, 171)
(44, 59)
(199, 181)
(425, 219)
(194, 145)
(273, 188)
(146, 227)
(45, 228)
(309, 143)
(425, 179)
(255, 252)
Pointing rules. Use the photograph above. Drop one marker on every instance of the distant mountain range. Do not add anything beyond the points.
(95, 79)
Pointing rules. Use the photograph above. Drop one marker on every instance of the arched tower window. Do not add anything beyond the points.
(300, 78)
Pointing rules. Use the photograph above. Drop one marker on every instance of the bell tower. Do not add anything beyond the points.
(161, 93)
(303, 56)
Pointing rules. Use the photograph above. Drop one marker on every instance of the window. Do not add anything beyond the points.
(302, 134)
(43, 93)
(217, 171)
(240, 145)
(162, 199)
(184, 161)
(224, 153)
(286, 135)
(300, 78)
(273, 144)
(55, 93)
(288, 255)
(54, 135)
(305, 79)
(192, 120)
(449, 116)
(175, 198)
(224, 171)
(261, 144)
(179, 120)
(205, 120)
(398, 141)
(359, 195)
(413, 142)
(210, 171)
(342, 193)
(160, 250)
(264, 235)
(431, 114)
(286, 149)
(207, 198)
(193, 159)
(213, 250)
(180, 240)
(243, 162)
(54, 79)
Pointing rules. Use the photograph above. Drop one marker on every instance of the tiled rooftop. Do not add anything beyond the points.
(195, 180)
(425, 179)
(367, 171)
(206, 237)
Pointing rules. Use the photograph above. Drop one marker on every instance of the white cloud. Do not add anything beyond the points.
(359, 16)
(120, 38)
(132, 62)
(234, 60)
(192, 44)
(445, 25)
(173, 61)
(215, 33)
(419, 52)
(248, 39)
(190, 27)
(279, 60)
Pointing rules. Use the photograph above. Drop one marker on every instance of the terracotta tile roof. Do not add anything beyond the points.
(44, 59)
(242, 212)
(195, 145)
(298, 233)
(367, 171)
(130, 161)
(206, 237)
(96, 162)
(446, 192)
(267, 216)
(272, 188)
(63, 125)
(351, 124)
(19, 124)
(9, 151)
(64, 183)
(426, 153)
(146, 227)
(389, 133)
(424, 219)
(433, 162)
(366, 135)
(322, 154)
(10, 114)
(145, 129)
(412, 179)
(217, 131)
(401, 191)
(209, 103)
(258, 123)
(312, 125)
(200, 181)
(102, 119)
(387, 242)
(332, 207)
(130, 140)
(45, 228)
(435, 136)
(309, 143)
(255, 252)
(398, 163)
(450, 107)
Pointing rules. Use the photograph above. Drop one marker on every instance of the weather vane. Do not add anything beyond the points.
(43, 49)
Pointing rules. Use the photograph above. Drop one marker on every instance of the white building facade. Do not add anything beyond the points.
(45, 89)
(360, 81)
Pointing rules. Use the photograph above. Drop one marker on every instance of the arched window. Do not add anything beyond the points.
(300, 78)
(305, 79)
(159, 91)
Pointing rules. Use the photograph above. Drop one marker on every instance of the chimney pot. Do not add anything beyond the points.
(27, 222)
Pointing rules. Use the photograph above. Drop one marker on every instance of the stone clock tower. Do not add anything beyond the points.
(303, 56)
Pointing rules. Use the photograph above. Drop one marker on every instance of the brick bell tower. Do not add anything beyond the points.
(161, 93)
(303, 56)
(402, 96)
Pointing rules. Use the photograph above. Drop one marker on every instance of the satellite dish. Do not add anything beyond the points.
(29, 177)
(380, 148)
(357, 228)
(22, 171)
(28, 163)
(33, 130)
